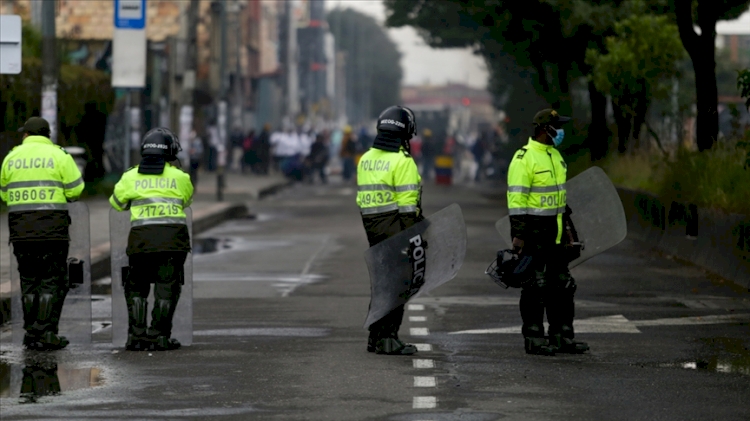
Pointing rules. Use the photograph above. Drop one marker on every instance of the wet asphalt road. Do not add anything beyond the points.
(279, 307)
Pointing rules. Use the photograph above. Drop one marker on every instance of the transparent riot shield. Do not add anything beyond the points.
(415, 261)
(182, 323)
(75, 319)
(598, 214)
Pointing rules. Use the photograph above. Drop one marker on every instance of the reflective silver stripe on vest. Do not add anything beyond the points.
(157, 221)
(38, 206)
(375, 187)
(74, 183)
(518, 189)
(536, 212)
(120, 204)
(548, 189)
(407, 187)
(37, 183)
(379, 209)
(544, 189)
(141, 202)
(407, 209)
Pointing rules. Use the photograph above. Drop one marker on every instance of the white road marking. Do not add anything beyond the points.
(416, 307)
(424, 402)
(619, 324)
(419, 331)
(417, 319)
(427, 381)
(423, 347)
(423, 363)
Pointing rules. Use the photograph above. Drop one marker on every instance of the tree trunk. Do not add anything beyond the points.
(640, 110)
(623, 120)
(702, 50)
(707, 129)
(598, 136)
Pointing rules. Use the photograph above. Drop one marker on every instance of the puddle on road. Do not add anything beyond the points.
(732, 355)
(40, 376)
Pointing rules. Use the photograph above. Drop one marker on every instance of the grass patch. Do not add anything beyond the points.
(716, 179)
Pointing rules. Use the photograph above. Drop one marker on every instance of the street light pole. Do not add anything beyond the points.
(223, 120)
(49, 68)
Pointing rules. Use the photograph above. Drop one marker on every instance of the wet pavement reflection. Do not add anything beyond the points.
(40, 376)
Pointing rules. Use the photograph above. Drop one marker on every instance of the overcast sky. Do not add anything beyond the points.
(421, 63)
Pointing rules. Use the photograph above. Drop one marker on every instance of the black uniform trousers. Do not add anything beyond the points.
(43, 269)
(164, 269)
(552, 289)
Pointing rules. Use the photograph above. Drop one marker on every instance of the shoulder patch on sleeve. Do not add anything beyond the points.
(520, 153)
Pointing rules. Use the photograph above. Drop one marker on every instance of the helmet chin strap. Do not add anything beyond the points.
(407, 145)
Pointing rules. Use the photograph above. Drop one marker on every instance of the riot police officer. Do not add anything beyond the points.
(37, 180)
(539, 214)
(156, 193)
(389, 201)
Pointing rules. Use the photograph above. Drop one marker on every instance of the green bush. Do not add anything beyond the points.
(20, 96)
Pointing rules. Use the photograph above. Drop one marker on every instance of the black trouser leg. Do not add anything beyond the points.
(560, 298)
(44, 283)
(388, 326)
(171, 277)
(136, 286)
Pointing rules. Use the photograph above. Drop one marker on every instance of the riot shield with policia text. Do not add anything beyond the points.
(415, 261)
(182, 322)
(75, 315)
(598, 215)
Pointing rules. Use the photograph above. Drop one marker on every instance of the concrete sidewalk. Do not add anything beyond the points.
(207, 212)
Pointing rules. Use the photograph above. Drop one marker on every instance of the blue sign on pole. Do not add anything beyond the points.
(130, 14)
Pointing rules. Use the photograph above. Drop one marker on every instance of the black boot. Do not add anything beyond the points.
(372, 341)
(538, 346)
(161, 326)
(43, 327)
(137, 338)
(392, 345)
(29, 317)
(564, 345)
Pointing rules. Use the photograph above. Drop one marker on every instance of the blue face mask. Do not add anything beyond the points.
(558, 140)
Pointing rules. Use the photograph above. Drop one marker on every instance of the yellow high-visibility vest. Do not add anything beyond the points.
(387, 181)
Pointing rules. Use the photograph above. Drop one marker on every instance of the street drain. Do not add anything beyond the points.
(210, 245)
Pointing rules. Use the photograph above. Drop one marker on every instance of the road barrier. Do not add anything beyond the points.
(716, 241)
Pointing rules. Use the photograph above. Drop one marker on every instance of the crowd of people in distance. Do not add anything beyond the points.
(305, 154)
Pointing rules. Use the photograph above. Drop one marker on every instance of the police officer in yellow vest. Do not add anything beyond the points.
(389, 202)
(538, 214)
(156, 193)
(37, 180)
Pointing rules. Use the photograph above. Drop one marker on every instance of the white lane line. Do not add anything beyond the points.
(424, 402)
(417, 319)
(416, 307)
(427, 381)
(419, 331)
(423, 347)
(423, 363)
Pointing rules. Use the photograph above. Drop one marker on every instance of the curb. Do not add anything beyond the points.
(719, 243)
(203, 220)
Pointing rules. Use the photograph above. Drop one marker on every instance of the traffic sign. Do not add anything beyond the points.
(130, 14)
(10, 44)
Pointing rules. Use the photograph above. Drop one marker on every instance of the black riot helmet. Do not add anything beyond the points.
(160, 142)
(398, 121)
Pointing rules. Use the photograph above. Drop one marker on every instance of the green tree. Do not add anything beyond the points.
(701, 46)
(644, 53)
(743, 85)
(373, 69)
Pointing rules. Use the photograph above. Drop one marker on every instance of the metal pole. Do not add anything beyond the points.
(49, 68)
(223, 119)
(187, 109)
(128, 135)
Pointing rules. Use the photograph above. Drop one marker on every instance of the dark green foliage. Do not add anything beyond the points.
(373, 76)
(743, 84)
